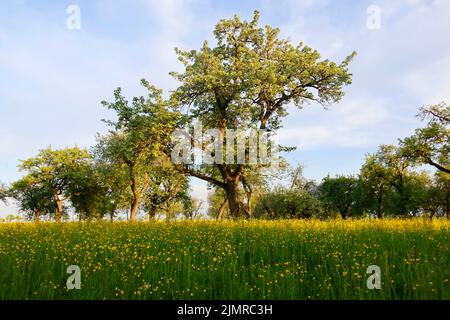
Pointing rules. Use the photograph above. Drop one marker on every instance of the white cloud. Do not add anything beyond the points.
(349, 124)
(173, 15)
(430, 83)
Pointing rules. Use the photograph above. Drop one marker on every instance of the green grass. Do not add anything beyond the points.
(226, 260)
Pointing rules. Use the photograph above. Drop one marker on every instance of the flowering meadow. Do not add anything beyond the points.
(226, 260)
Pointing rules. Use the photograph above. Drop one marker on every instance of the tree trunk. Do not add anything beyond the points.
(151, 213)
(403, 201)
(80, 216)
(249, 205)
(134, 207)
(342, 211)
(111, 214)
(36, 215)
(233, 198)
(245, 210)
(221, 210)
(59, 207)
(432, 213)
(447, 204)
(135, 203)
(379, 213)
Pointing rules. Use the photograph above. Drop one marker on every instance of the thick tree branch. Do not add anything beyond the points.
(199, 175)
(437, 165)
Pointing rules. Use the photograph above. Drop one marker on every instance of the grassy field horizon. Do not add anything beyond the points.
(287, 259)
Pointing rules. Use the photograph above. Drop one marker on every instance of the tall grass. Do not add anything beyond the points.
(226, 260)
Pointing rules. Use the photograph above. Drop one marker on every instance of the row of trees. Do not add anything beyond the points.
(245, 80)
(125, 172)
(94, 187)
(384, 187)
(388, 183)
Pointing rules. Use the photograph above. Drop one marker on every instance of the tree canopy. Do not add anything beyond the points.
(246, 82)
(53, 169)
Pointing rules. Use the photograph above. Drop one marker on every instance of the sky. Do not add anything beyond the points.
(53, 75)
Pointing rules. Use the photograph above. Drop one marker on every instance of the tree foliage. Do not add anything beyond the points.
(431, 144)
(139, 137)
(339, 193)
(33, 198)
(246, 81)
(52, 170)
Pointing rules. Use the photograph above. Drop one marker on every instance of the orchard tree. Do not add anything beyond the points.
(283, 203)
(386, 173)
(217, 204)
(113, 180)
(442, 185)
(397, 167)
(433, 198)
(86, 192)
(431, 144)
(192, 207)
(411, 200)
(339, 193)
(53, 169)
(141, 133)
(389, 186)
(167, 186)
(247, 81)
(374, 178)
(33, 197)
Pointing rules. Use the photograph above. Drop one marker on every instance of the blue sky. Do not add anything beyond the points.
(52, 79)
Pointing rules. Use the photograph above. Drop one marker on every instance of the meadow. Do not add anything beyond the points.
(226, 260)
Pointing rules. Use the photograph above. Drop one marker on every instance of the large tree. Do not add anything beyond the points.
(431, 144)
(246, 81)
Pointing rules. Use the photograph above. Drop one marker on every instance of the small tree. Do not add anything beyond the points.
(374, 186)
(217, 204)
(167, 186)
(114, 182)
(52, 170)
(287, 204)
(339, 193)
(432, 201)
(192, 207)
(86, 192)
(442, 187)
(34, 198)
